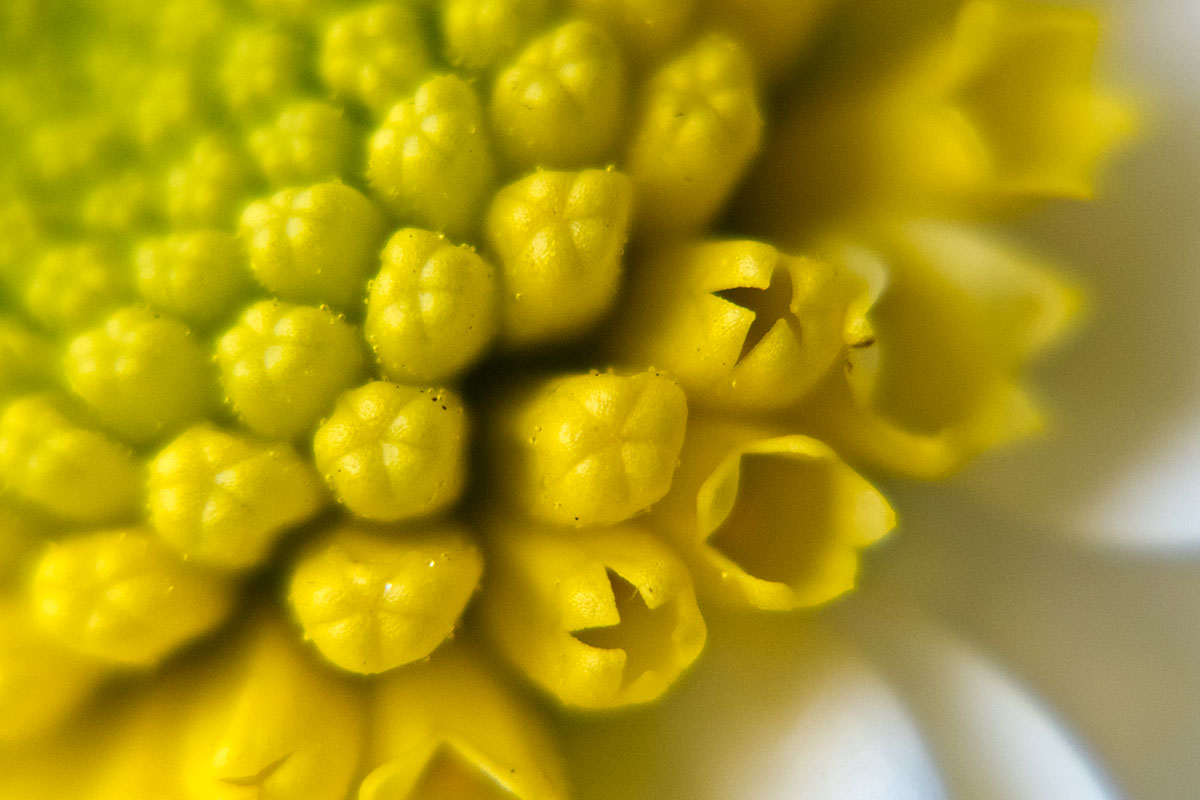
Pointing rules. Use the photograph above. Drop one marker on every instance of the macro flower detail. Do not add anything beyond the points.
(392, 452)
(388, 387)
(741, 324)
(560, 103)
(464, 733)
(283, 365)
(371, 601)
(195, 275)
(432, 310)
(699, 126)
(315, 245)
(768, 521)
(374, 54)
(592, 449)
(223, 499)
(143, 374)
(70, 471)
(600, 619)
(559, 238)
(430, 162)
(121, 596)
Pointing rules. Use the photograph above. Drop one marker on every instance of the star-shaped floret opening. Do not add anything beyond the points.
(779, 529)
(770, 306)
(450, 775)
(639, 633)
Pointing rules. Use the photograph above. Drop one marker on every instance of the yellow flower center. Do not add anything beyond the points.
(357, 356)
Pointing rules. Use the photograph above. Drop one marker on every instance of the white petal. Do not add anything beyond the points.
(1110, 639)
(992, 740)
(1123, 459)
(777, 709)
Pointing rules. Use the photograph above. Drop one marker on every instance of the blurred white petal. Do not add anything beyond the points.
(991, 739)
(779, 709)
(1109, 639)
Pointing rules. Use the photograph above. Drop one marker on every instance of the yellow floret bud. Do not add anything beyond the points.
(208, 189)
(71, 287)
(559, 105)
(309, 142)
(123, 205)
(67, 470)
(26, 359)
(314, 245)
(482, 34)
(463, 735)
(432, 309)
(392, 452)
(275, 725)
(558, 238)
(223, 499)
(172, 105)
(376, 55)
(648, 29)
(698, 128)
(769, 521)
(122, 596)
(741, 325)
(602, 620)
(592, 449)
(264, 67)
(143, 374)
(282, 366)
(430, 162)
(196, 275)
(371, 599)
(40, 680)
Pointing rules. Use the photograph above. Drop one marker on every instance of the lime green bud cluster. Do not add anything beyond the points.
(310, 142)
(594, 449)
(398, 338)
(208, 188)
(72, 286)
